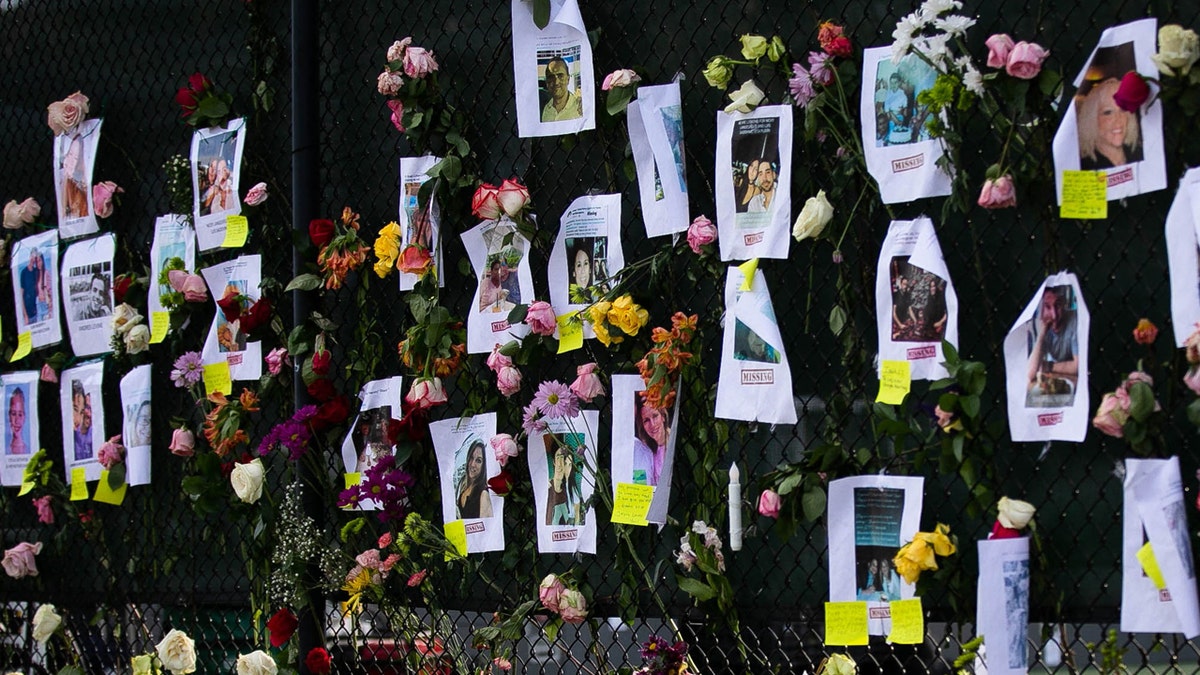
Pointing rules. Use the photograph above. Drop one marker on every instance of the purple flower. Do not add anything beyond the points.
(189, 370)
(292, 435)
(556, 400)
(387, 485)
(822, 71)
(306, 413)
(532, 423)
(801, 86)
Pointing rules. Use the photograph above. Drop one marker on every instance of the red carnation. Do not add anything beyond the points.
(282, 626)
(321, 361)
(318, 662)
(332, 412)
(840, 46)
(322, 390)
(320, 231)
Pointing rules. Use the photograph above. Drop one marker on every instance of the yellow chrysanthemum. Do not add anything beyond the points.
(356, 586)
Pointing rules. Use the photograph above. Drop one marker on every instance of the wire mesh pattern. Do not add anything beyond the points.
(154, 563)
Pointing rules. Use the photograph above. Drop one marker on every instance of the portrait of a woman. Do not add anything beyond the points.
(472, 499)
(650, 433)
(564, 501)
(1108, 136)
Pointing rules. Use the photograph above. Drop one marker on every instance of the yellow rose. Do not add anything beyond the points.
(753, 46)
(598, 311)
(839, 664)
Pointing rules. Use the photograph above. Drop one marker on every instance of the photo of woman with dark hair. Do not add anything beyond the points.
(472, 499)
(651, 429)
(564, 503)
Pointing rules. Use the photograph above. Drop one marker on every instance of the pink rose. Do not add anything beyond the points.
(999, 47)
(418, 62)
(63, 116)
(426, 393)
(1192, 346)
(1111, 416)
(700, 233)
(587, 384)
(572, 606)
(1192, 379)
(496, 360)
(111, 453)
(769, 503)
(397, 109)
(503, 446)
(19, 560)
(620, 78)
(276, 360)
(102, 197)
(194, 289)
(175, 279)
(998, 194)
(183, 443)
(18, 215)
(389, 83)
(550, 592)
(48, 374)
(485, 203)
(396, 51)
(256, 195)
(44, 509)
(508, 380)
(1025, 60)
(513, 197)
(540, 318)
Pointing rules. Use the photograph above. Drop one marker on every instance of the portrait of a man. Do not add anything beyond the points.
(564, 104)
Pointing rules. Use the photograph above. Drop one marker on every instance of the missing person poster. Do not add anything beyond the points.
(1045, 360)
(756, 381)
(870, 518)
(173, 238)
(368, 440)
(1097, 135)
(1183, 256)
(562, 468)
(754, 176)
(87, 282)
(216, 173)
(901, 154)
(1002, 607)
(656, 138)
(587, 255)
(135, 427)
(419, 226)
(465, 464)
(19, 424)
(226, 340)
(74, 160)
(82, 405)
(552, 66)
(643, 443)
(500, 256)
(1155, 515)
(34, 266)
(916, 306)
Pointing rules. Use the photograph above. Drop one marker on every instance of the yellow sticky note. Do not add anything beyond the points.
(79, 488)
(895, 379)
(570, 332)
(217, 377)
(352, 479)
(908, 622)
(160, 323)
(456, 532)
(237, 228)
(748, 269)
(24, 346)
(106, 494)
(1084, 195)
(631, 503)
(846, 623)
(25, 488)
(1145, 555)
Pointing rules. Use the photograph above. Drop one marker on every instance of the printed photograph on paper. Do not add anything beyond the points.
(370, 439)
(82, 421)
(899, 118)
(878, 513)
(19, 429)
(230, 337)
(74, 160)
(173, 238)
(919, 311)
(651, 435)
(559, 83)
(565, 466)
(1053, 348)
(499, 287)
(472, 499)
(587, 268)
(750, 346)
(135, 424)
(35, 272)
(89, 291)
(1016, 605)
(1108, 136)
(755, 169)
(216, 163)
(17, 441)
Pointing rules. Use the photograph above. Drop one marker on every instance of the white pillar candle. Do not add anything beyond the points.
(735, 508)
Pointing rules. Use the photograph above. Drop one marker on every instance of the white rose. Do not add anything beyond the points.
(256, 663)
(813, 218)
(177, 652)
(1178, 50)
(45, 622)
(124, 318)
(745, 98)
(137, 340)
(247, 480)
(1014, 513)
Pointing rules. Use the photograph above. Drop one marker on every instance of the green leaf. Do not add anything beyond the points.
(116, 476)
(837, 319)
(618, 100)
(517, 315)
(1141, 401)
(970, 405)
(790, 483)
(697, 589)
(813, 503)
(541, 13)
(551, 628)
(304, 282)
(957, 445)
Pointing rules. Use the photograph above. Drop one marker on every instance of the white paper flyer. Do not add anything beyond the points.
(216, 173)
(87, 281)
(643, 443)
(34, 266)
(225, 339)
(1183, 256)
(656, 138)
(421, 227)
(1002, 607)
(587, 254)
(19, 426)
(368, 440)
(82, 404)
(465, 464)
(754, 178)
(173, 238)
(74, 161)
(552, 67)
(756, 381)
(562, 466)
(499, 254)
(135, 427)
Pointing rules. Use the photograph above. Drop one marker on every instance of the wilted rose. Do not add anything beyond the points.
(1145, 333)
(504, 447)
(183, 443)
(1014, 513)
(137, 340)
(508, 380)
(414, 260)
(418, 62)
(540, 318)
(572, 606)
(45, 621)
(1025, 60)
(753, 46)
(426, 393)
(550, 592)
(999, 193)
(19, 560)
(256, 662)
(587, 385)
(1111, 416)
(1178, 50)
(256, 195)
(102, 197)
(999, 47)
(700, 233)
(397, 117)
(620, 78)
(177, 652)
(813, 218)
(111, 453)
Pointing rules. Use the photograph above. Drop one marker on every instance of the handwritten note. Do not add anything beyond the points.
(24, 346)
(846, 623)
(1145, 556)
(456, 532)
(748, 269)
(908, 622)
(631, 503)
(79, 488)
(1084, 195)
(160, 323)
(106, 495)
(237, 228)
(570, 332)
(895, 379)
(217, 378)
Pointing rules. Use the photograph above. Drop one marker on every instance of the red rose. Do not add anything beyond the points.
(840, 46)
(320, 231)
(321, 389)
(1001, 532)
(231, 304)
(186, 98)
(321, 361)
(318, 662)
(331, 413)
(282, 626)
(414, 425)
(1132, 92)
(257, 316)
(199, 83)
(501, 483)
(121, 287)
(394, 429)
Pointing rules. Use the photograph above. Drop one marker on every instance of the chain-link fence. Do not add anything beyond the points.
(130, 573)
